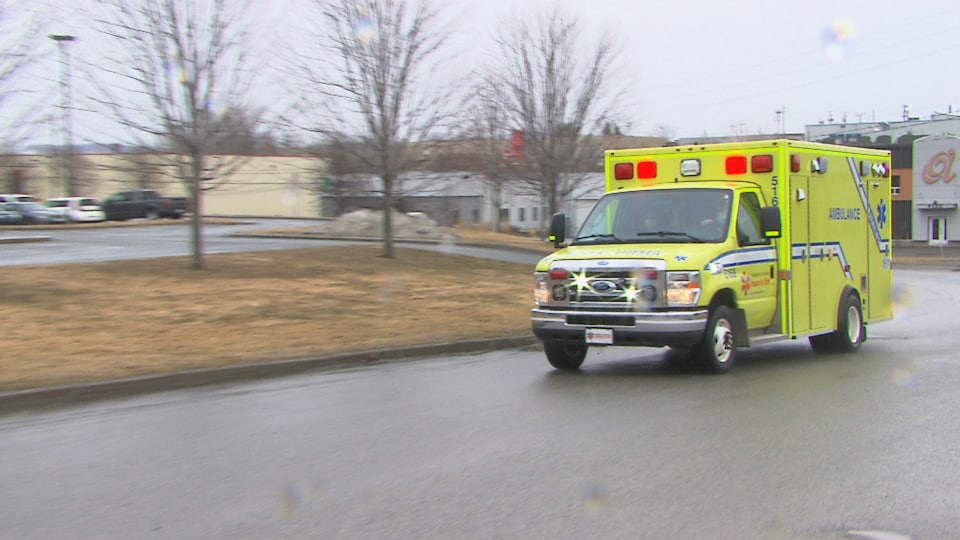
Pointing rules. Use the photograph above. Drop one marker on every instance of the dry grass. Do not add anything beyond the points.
(82, 322)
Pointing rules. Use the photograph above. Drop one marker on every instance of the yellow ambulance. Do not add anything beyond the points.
(713, 247)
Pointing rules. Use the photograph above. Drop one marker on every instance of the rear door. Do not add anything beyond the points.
(879, 289)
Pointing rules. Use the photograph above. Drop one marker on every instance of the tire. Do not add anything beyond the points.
(565, 356)
(152, 215)
(850, 330)
(716, 352)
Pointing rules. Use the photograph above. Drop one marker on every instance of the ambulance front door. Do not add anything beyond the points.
(798, 287)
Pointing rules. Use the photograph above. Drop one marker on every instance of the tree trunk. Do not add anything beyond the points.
(196, 236)
(496, 193)
(387, 218)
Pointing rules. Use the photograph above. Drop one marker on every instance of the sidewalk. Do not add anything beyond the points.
(907, 253)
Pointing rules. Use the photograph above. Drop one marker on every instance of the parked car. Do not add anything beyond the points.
(143, 203)
(16, 197)
(77, 209)
(33, 213)
(8, 217)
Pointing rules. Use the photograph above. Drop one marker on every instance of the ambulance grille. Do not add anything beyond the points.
(619, 289)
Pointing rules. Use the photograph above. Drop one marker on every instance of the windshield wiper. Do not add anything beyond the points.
(615, 238)
(662, 234)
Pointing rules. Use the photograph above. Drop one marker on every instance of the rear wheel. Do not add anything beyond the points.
(152, 214)
(716, 352)
(565, 356)
(850, 330)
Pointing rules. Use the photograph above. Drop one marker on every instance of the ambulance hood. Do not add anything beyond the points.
(689, 256)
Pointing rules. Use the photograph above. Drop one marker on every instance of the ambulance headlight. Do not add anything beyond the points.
(541, 288)
(683, 288)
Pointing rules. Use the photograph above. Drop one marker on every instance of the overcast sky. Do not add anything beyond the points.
(700, 67)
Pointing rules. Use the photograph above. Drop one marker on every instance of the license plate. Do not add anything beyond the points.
(599, 336)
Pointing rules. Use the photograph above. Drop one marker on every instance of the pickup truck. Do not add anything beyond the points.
(143, 204)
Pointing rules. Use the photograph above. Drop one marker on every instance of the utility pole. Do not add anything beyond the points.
(67, 143)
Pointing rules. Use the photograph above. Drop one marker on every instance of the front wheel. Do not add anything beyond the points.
(565, 356)
(716, 352)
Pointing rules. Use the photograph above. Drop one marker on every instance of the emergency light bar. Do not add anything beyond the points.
(623, 171)
(646, 169)
(761, 163)
(690, 167)
(737, 165)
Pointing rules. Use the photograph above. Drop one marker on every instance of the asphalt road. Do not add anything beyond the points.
(173, 239)
(788, 445)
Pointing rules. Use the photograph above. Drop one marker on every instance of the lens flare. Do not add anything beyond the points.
(837, 37)
(902, 301)
(363, 29)
(595, 500)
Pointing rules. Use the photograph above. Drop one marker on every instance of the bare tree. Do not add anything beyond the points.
(139, 169)
(176, 67)
(81, 174)
(19, 31)
(489, 124)
(557, 90)
(371, 88)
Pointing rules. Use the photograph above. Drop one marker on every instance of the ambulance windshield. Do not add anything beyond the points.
(695, 215)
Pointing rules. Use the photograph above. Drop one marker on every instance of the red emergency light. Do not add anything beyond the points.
(623, 171)
(559, 273)
(794, 162)
(762, 163)
(646, 169)
(737, 165)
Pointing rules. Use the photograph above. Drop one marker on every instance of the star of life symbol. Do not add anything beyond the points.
(881, 213)
(745, 283)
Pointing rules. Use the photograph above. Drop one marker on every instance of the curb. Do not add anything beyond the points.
(73, 394)
(487, 245)
(23, 239)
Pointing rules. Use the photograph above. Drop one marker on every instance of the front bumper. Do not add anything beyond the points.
(649, 329)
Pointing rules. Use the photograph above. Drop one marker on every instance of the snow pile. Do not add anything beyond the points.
(367, 223)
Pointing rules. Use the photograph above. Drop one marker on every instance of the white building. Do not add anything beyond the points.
(936, 189)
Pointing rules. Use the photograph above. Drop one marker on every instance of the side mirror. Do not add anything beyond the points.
(770, 222)
(558, 229)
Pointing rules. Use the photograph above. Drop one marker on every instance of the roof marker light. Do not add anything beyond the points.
(623, 171)
(737, 165)
(762, 163)
(646, 169)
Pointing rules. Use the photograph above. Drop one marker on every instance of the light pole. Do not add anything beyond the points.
(67, 144)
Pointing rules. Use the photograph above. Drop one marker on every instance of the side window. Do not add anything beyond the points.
(748, 221)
